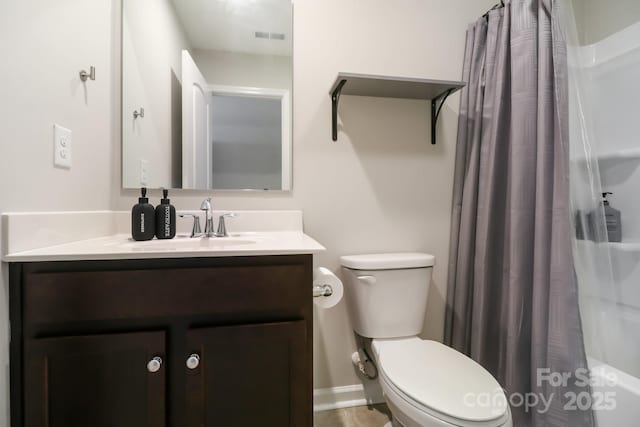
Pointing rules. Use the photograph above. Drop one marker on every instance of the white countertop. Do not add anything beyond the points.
(121, 246)
(76, 236)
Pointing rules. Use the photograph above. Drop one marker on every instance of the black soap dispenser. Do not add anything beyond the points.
(165, 218)
(613, 219)
(143, 217)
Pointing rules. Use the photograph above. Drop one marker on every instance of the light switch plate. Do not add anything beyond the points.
(62, 147)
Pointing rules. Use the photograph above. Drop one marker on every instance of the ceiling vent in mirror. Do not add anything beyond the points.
(267, 35)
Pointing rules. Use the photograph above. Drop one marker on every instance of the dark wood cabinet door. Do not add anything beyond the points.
(249, 375)
(97, 381)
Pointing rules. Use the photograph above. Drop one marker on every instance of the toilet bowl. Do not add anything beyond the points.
(425, 383)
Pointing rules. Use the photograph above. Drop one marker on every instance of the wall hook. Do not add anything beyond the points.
(137, 114)
(90, 75)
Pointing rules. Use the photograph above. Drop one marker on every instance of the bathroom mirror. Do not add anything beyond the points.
(206, 94)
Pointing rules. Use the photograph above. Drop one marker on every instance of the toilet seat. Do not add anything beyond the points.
(438, 384)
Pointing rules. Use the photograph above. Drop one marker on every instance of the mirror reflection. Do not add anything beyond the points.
(206, 94)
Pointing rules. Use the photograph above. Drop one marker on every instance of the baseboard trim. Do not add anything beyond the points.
(325, 399)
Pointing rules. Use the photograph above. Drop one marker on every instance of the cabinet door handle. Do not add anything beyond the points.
(193, 361)
(154, 364)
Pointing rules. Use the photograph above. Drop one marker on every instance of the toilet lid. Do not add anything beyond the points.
(441, 379)
(392, 261)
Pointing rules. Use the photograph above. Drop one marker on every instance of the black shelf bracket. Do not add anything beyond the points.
(335, 98)
(436, 106)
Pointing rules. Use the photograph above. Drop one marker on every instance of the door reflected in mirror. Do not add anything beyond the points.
(214, 79)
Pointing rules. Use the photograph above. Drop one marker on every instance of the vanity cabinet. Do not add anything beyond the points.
(223, 341)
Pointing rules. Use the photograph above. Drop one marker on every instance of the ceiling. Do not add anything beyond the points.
(230, 25)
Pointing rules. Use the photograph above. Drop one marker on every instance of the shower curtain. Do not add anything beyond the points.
(512, 302)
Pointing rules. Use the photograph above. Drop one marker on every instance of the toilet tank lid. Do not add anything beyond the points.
(393, 261)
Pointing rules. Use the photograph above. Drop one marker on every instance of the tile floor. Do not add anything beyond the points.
(359, 416)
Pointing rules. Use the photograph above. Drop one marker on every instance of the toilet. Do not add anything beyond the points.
(425, 383)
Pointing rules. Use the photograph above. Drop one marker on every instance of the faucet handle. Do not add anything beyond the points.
(196, 231)
(222, 227)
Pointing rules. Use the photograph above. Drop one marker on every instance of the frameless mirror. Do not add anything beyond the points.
(206, 94)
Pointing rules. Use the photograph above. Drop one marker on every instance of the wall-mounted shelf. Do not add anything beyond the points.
(437, 91)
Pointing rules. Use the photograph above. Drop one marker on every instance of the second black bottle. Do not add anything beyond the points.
(165, 218)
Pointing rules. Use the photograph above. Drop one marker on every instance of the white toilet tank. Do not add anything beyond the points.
(387, 293)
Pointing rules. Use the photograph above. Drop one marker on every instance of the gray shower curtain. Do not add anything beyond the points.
(512, 302)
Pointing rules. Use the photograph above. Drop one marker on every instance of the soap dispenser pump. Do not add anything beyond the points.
(143, 225)
(613, 219)
(165, 218)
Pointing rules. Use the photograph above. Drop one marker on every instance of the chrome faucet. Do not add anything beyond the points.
(208, 222)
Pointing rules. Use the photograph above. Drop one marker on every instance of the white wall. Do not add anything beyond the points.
(382, 186)
(44, 45)
(152, 43)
